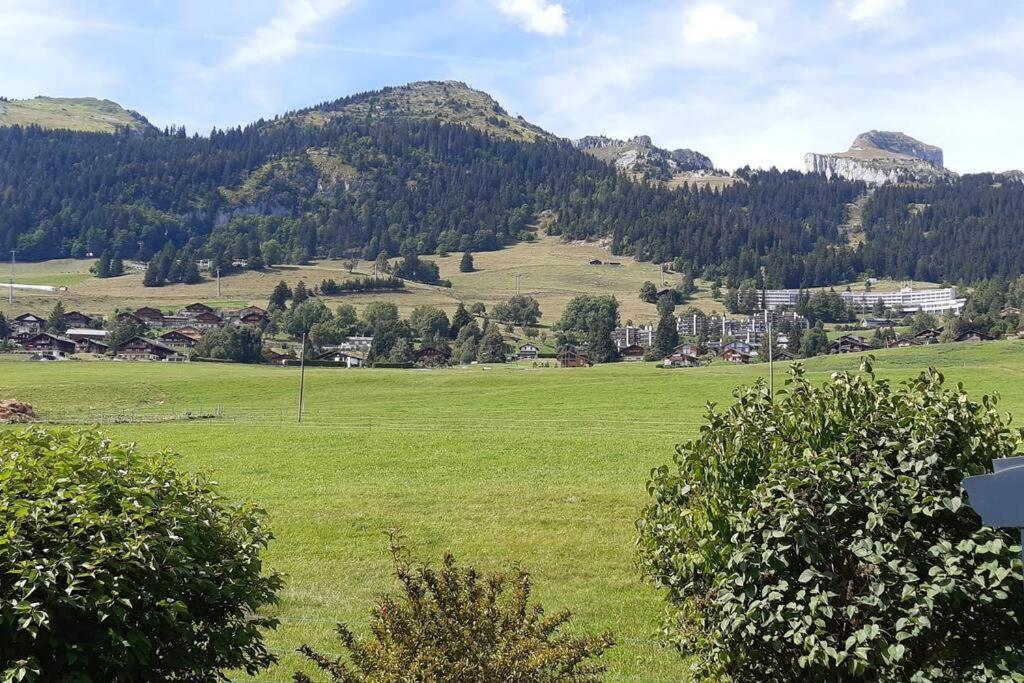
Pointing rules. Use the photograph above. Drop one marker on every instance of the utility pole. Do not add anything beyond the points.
(302, 376)
(518, 275)
(771, 356)
(10, 291)
(218, 282)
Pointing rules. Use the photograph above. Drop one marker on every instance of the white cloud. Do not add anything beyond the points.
(536, 16)
(711, 22)
(284, 35)
(866, 11)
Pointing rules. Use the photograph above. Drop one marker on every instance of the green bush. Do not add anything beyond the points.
(114, 567)
(455, 624)
(825, 536)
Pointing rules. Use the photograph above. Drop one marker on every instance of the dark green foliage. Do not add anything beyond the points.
(814, 342)
(492, 346)
(429, 323)
(466, 263)
(55, 321)
(115, 567)
(279, 297)
(360, 284)
(412, 267)
(666, 338)
(666, 305)
(582, 310)
(648, 292)
(459, 624)
(825, 306)
(600, 346)
(303, 316)
(5, 326)
(460, 319)
(386, 334)
(241, 344)
(300, 295)
(466, 343)
(377, 312)
(123, 330)
(825, 536)
(116, 267)
(518, 309)
(101, 268)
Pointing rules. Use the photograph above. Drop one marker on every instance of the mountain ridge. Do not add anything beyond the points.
(81, 114)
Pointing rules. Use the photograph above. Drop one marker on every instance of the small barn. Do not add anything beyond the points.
(529, 351)
(632, 353)
(572, 357)
(195, 309)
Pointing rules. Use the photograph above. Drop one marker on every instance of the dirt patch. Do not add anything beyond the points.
(12, 411)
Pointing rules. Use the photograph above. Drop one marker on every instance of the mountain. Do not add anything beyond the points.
(879, 157)
(86, 114)
(446, 101)
(639, 156)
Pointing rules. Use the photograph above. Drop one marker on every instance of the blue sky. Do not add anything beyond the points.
(744, 81)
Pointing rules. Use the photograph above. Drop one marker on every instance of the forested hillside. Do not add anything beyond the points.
(440, 167)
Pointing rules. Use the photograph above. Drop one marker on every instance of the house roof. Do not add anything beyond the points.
(29, 317)
(51, 336)
(149, 342)
(86, 332)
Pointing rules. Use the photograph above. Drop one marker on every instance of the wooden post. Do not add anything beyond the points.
(302, 375)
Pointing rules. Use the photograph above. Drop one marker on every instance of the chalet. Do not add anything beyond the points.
(529, 351)
(150, 316)
(746, 348)
(428, 355)
(849, 343)
(175, 321)
(905, 343)
(875, 323)
(929, 336)
(689, 350)
(1009, 311)
(49, 344)
(80, 334)
(29, 323)
(180, 338)
(196, 309)
(207, 320)
(126, 316)
(972, 336)
(632, 353)
(143, 348)
(78, 319)
(733, 355)
(276, 358)
(573, 357)
(350, 359)
(93, 346)
(252, 317)
(681, 360)
(783, 356)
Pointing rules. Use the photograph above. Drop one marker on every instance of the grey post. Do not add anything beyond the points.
(999, 497)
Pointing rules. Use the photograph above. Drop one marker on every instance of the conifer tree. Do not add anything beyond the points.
(55, 322)
(466, 264)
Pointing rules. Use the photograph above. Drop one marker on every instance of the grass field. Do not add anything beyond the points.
(552, 271)
(70, 113)
(499, 464)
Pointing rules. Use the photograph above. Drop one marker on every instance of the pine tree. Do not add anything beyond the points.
(116, 267)
(492, 346)
(5, 327)
(279, 297)
(101, 268)
(152, 277)
(599, 341)
(466, 264)
(300, 294)
(460, 319)
(666, 337)
(56, 323)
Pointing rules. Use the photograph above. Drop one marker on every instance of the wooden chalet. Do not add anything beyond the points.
(93, 346)
(29, 323)
(180, 337)
(276, 358)
(529, 351)
(632, 353)
(195, 309)
(51, 344)
(689, 350)
(350, 359)
(207, 320)
(572, 357)
(1009, 311)
(78, 319)
(428, 355)
(745, 348)
(929, 336)
(252, 316)
(783, 356)
(143, 348)
(849, 343)
(973, 336)
(732, 355)
(681, 360)
(150, 315)
(125, 315)
(905, 343)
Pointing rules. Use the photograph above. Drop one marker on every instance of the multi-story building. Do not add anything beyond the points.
(750, 328)
(906, 299)
(631, 335)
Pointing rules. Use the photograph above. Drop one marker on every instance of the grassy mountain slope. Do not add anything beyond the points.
(86, 114)
(446, 101)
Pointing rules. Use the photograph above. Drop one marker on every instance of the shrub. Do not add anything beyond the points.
(114, 567)
(455, 624)
(825, 537)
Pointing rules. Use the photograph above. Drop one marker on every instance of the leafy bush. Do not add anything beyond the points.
(455, 624)
(114, 567)
(825, 537)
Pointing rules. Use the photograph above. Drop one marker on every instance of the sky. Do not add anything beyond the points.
(756, 82)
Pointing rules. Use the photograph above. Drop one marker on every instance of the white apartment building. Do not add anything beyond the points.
(906, 299)
(629, 335)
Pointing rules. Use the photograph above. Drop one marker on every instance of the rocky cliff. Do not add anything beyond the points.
(639, 155)
(882, 157)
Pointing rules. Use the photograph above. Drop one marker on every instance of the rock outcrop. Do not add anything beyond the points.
(639, 155)
(879, 157)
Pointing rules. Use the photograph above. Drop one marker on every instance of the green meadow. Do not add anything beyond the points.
(541, 466)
